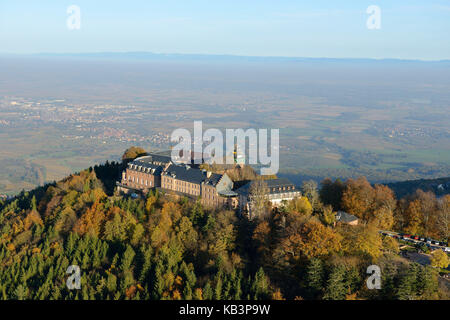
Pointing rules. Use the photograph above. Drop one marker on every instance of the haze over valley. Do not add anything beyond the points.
(386, 119)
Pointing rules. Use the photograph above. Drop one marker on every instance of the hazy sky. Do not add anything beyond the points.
(410, 29)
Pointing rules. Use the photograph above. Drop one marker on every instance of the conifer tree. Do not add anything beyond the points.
(408, 284)
(218, 288)
(336, 289)
(260, 287)
(207, 291)
(314, 276)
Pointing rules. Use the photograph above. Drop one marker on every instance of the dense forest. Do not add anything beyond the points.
(439, 186)
(157, 248)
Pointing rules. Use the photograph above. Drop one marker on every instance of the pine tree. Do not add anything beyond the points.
(158, 282)
(336, 289)
(388, 277)
(427, 283)
(227, 290)
(352, 278)
(218, 288)
(314, 276)
(236, 279)
(197, 215)
(187, 292)
(127, 258)
(260, 287)
(21, 292)
(408, 284)
(33, 205)
(111, 283)
(146, 252)
(187, 273)
(207, 292)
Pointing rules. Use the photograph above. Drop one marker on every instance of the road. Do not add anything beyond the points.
(414, 241)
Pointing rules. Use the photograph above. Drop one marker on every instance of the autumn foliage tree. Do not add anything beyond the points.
(439, 259)
(309, 239)
(300, 205)
(361, 240)
(371, 204)
(424, 214)
(159, 247)
(133, 153)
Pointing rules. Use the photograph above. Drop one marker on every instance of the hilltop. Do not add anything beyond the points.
(157, 248)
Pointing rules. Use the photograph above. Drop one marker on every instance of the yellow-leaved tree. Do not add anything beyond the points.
(362, 240)
(300, 205)
(439, 259)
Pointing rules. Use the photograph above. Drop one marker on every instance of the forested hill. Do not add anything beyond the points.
(439, 186)
(157, 248)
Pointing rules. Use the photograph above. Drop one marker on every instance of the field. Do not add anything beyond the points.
(387, 120)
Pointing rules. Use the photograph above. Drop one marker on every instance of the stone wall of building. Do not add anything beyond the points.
(140, 179)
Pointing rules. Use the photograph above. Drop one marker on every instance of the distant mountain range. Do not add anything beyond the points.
(220, 57)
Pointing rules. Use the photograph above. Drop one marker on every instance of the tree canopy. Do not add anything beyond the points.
(157, 247)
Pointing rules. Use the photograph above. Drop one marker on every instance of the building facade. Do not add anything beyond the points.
(346, 218)
(212, 189)
(158, 172)
(143, 173)
(275, 192)
(196, 183)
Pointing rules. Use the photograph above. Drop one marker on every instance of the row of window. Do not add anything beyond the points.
(281, 196)
(142, 169)
(189, 188)
(187, 184)
(287, 195)
(280, 189)
(140, 181)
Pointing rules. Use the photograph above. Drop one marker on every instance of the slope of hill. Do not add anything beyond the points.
(156, 248)
(439, 186)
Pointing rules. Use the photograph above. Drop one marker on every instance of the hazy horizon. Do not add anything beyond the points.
(404, 29)
(150, 54)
